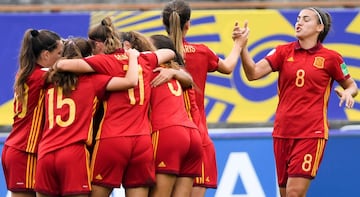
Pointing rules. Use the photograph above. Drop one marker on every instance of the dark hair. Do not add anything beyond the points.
(137, 40)
(164, 42)
(174, 16)
(74, 48)
(325, 19)
(105, 32)
(33, 43)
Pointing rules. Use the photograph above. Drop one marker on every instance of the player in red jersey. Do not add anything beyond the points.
(199, 60)
(173, 133)
(139, 41)
(307, 71)
(174, 175)
(63, 158)
(40, 49)
(123, 153)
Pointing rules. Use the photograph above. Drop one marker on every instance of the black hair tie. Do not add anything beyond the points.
(34, 33)
(103, 22)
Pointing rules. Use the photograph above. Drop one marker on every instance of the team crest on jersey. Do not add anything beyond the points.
(319, 62)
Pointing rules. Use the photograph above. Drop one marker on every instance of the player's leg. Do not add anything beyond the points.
(297, 187)
(99, 191)
(183, 187)
(164, 185)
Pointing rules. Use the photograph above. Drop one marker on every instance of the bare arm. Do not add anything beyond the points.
(132, 74)
(73, 65)
(165, 74)
(254, 71)
(228, 64)
(164, 55)
(348, 94)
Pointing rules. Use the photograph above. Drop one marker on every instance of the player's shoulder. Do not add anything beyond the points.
(197, 45)
(330, 52)
(197, 48)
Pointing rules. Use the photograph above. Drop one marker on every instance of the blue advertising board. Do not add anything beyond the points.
(246, 166)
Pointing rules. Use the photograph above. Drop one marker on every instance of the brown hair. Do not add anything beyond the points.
(105, 32)
(164, 42)
(325, 19)
(137, 40)
(175, 15)
(74, 48)
(33, 43)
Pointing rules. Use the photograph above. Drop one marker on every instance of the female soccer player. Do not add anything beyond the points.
(176, 139)
(199, 60)
(307, 70)
(40, 49)
(70, 103)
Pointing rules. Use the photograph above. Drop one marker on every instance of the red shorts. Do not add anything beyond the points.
(297, 158)
(123, 160)
(177, 151)
(64, 172)
(19, 169)
(208, 178)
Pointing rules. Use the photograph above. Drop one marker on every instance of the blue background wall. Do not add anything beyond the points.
(229, 98)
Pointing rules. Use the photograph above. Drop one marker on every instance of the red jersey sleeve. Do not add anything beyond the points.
(109, 64)
(337, 68)
(276, 57)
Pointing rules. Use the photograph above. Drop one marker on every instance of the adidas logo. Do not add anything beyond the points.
(98, 177)
(162, 164)
(290, 59)
(207, 179)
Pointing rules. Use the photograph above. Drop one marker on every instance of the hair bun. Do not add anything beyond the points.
(34, 32)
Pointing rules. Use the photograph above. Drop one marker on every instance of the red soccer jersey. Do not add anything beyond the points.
(28, 120)
(304, 85)
(199, 60)
(125, 112)
(69, 117)
(167, 106)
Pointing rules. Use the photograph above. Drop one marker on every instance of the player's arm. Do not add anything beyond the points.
(165, 74)
(132, 74)
(73, 65)
(254, 71)
(350, 90)
(228, 64)
(164, 55)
